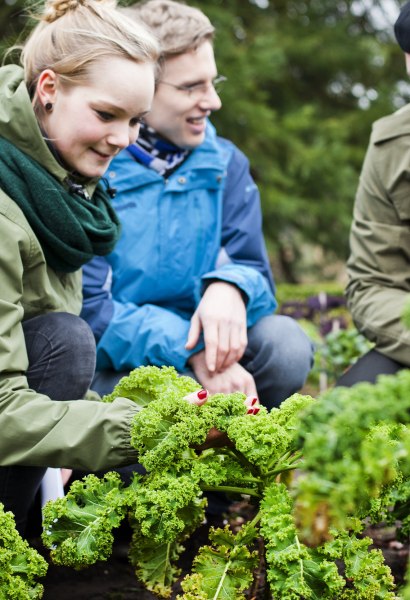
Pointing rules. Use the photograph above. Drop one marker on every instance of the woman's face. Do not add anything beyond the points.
(180, 115)
(89, 124)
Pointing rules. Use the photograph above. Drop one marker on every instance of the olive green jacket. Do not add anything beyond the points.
(379, 264)
(35, 430)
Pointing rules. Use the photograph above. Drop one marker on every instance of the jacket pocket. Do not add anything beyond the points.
(401, 201)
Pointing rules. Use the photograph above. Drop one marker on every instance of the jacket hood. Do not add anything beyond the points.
(18, 123)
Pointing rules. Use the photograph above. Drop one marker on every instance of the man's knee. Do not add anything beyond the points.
(281, 339)
(280, 356)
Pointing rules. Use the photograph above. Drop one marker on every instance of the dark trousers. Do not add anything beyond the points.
(61, 353)
(368, 368)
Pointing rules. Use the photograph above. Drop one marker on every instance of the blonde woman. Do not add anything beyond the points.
(86, 81)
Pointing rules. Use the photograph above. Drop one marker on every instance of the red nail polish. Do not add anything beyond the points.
(249, 411)
(254, 401)
(256, 410)
(202, 394)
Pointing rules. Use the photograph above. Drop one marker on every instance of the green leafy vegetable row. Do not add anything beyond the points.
(354, 465)
(20, 565)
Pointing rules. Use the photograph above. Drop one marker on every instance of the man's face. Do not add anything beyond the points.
(179, 114)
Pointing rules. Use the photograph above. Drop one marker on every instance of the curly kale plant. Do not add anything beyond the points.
(20, 565)
(78, 528)
(167, 504)
(356, 448)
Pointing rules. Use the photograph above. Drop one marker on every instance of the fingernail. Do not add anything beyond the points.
(256, 410)
(202, 394)
(251, 401)
(253, 411)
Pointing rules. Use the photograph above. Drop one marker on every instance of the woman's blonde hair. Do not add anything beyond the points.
(72, 35)
(178, 27)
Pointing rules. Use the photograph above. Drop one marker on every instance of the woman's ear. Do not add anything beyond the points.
(47, 89)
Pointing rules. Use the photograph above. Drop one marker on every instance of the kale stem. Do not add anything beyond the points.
(242, 459)
(255, 519)
(230, 489)
(283, 466)
(282, 469)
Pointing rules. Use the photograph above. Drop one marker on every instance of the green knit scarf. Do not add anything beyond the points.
(70, 228)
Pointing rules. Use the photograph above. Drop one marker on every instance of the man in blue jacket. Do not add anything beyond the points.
(189, 282)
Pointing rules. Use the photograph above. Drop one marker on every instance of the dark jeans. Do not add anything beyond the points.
(61, 354)
(368, 368)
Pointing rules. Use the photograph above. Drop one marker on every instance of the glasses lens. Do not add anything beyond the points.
(218, 83)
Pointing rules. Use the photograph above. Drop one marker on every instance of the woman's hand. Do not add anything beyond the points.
(234, 378)
(216, 438)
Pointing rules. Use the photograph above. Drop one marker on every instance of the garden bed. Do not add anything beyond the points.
(115, 578)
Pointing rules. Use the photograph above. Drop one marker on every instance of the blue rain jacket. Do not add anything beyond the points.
(179, 234)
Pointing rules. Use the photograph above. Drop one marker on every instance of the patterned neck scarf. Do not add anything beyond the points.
(154, 152)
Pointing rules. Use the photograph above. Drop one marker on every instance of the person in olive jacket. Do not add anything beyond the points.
(379, 263)
(88, 78)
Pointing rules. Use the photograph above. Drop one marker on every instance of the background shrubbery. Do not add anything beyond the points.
(305, 81)
(321, 310)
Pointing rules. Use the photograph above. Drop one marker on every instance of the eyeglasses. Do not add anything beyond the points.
(198, 88)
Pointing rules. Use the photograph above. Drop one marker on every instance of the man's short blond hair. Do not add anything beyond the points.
(178, 27)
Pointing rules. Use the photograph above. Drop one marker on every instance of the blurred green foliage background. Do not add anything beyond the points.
(306, 79)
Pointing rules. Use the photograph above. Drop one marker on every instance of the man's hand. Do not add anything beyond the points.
(221, 315)
(233, 379)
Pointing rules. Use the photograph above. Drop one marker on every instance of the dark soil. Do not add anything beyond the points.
(111, 580)
(115, 578)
